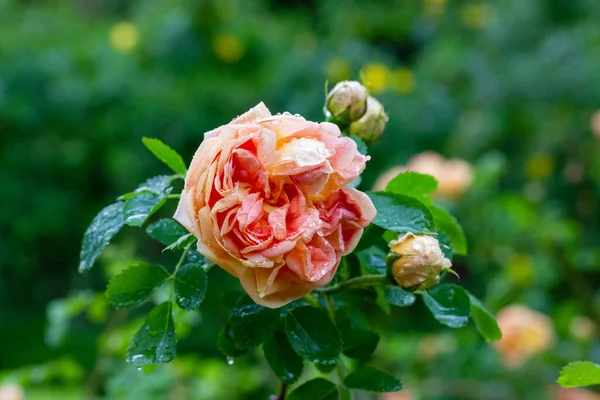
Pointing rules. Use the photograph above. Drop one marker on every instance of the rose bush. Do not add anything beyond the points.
(265, 197)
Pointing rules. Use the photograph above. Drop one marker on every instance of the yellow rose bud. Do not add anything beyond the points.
(371, 125)
(346, 102)
(416, 262)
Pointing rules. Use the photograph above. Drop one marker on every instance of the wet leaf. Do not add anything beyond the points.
(401, 213)
(312, 335)
(282, 359)
(372, 380)
(484, 320)
(449, 304)
(166, 231)
(579, 373)
(155, 341)
(103, 228)
(399, 297)
(135, 284)
(448, 225)
(190, 286)
(413, 184)
(316, 389)
(250, 323)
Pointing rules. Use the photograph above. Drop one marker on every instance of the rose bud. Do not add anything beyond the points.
(346, 102)
(416, 262)
(371, 125)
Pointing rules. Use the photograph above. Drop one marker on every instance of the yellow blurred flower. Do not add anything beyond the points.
(525, 333)
(228, 48)
(403, 80)
(124, 37)
(582, 328)
(476, 16)
(434, 8)
(337, 70)
(520, 269)
(540, 166)
(376, 76)
(11, 391)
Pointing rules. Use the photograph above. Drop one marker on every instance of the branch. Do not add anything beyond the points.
(354, 283)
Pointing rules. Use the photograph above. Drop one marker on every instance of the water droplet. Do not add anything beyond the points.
(229, 360)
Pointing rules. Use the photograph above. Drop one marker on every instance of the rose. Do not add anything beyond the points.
(265, 197)
(416, 261)
(454, 175)
(525, 333)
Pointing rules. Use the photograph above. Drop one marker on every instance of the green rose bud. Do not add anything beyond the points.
(346, 102)
(372, 124)
(415, 262)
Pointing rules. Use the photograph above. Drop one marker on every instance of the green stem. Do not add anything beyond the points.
(179, 264)
(173, 196)
(310, 299)
(282, 391)
(354, 283)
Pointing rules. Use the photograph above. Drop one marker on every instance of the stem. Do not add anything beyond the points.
(354, 283)
(173, 196)
(182, 259)
(282, 391)
(310, 299)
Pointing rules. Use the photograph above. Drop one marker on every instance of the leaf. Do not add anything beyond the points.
(399, 297)
(361, 146)
(158, 185)
(181, 243)
(250, 323)
(97, 236)
(484, 320)
(135, 284)
(401, 213)
(155, 341)
(227, 346)
(579, 373)
(449, 304)
(285, 363)
(166, 231)
(138, 209)
(413, 184)
(315, 389)
(447, 224)
(312, 335)
(190, 286)
(372, 380)
(373, 260)
(371, 235)
(358, 340)
(166, 154)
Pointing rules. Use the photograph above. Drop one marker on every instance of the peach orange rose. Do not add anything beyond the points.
(265, 197)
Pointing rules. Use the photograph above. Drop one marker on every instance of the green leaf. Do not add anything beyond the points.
(413, 184)
(166, 154)
(312, 335)
(447, 224)
(449, 304)
(285, 363)
(371, 235)
(399, 297)
(373, 260)
(181, 243)
(316, 389)
(361, 146)
(138, 209)
(484, 320)
(97, 236)
(166, 231)
(579, 373)
(358, 340)
(227, 346)
(135, 284)
(155, 341)
(401, 213)
(158, 185)
(250, 323)
(190, 286)
(372, 380)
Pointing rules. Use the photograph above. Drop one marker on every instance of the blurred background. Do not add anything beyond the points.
(511, 87)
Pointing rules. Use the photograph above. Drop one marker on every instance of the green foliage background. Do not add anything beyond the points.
(509, 86)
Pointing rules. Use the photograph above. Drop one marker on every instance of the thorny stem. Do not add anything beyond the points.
(355, 283)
